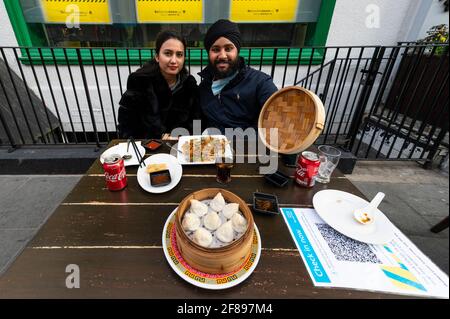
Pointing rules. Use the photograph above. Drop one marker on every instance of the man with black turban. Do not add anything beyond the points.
(231, 93)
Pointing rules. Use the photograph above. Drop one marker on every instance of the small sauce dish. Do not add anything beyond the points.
(265, 204)
(160, 178)
(152, 145)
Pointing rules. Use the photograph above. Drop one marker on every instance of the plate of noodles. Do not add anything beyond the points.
(202, 149)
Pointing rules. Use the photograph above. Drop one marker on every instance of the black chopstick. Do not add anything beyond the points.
(142, 161)
(142, 158)
(138, 154)
(136, 150)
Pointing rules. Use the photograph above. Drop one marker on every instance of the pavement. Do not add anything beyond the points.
(26, 202)
(416, 199)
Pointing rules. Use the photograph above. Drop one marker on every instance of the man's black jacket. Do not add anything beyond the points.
(240, 101)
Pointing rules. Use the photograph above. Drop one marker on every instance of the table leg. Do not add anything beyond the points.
(440, 226)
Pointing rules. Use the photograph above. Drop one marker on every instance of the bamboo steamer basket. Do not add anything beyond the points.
(299, 116)
(214, 260)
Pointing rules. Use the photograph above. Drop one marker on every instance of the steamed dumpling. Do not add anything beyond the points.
(203, 237)
(239, 223)
(212, 221)
(218, 203)
(198, 208)
(229, 210)
(225, 232)
(190, 222)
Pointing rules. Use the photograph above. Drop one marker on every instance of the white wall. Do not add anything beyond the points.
(399, 20)
(435, 16)
(348, 26)
(7, 36)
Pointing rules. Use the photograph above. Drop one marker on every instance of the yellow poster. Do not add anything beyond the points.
(75, 12)
(263, 10)
(169, 11)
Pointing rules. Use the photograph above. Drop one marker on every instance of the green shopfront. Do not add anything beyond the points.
(135, 23)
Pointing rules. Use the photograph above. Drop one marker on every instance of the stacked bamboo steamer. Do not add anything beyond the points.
(299, 117)
(214, 260)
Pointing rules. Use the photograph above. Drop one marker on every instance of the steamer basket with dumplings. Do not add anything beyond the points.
(217, 260)
(299, 116)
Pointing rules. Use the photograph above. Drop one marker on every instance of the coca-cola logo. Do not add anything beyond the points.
(301, 171)
(115, 177)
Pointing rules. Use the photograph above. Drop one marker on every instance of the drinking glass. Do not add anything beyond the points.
(329, 159)
(224, 166)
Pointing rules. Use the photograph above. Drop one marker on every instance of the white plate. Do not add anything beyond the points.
(336, 209)
(183, 139)
(176, 171)
(121, 149)
(197, 278)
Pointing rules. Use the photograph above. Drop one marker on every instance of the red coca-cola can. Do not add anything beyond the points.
(307, 169)
(115, 174)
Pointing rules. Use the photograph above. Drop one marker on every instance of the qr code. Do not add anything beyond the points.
(345, 248)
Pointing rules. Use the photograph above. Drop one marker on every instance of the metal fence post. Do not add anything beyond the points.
(8, 132)
(433, 151)
(274, 62)
(88, 97)
(365, 96)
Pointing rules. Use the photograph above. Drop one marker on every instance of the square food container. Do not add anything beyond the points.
(160, 178)
(278, 179)
(152, 144)
(265, 204)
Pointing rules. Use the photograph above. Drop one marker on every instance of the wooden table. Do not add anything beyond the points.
(115, 239)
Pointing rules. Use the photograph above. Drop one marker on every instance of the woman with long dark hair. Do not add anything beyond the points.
(161, 95)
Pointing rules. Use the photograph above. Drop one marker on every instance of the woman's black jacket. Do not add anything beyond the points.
(149, 108)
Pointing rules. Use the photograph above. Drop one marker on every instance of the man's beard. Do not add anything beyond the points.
(232, 68)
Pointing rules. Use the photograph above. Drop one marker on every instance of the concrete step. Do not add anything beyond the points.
(53, 159)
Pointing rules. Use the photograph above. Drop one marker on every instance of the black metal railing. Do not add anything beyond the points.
(385, 102)
(381, 102)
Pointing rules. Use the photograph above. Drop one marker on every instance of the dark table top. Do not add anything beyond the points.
(115, 239)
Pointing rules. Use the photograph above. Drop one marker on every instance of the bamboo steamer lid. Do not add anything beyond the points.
(299, 116)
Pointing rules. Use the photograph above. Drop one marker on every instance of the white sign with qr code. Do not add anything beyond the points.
(335, 260)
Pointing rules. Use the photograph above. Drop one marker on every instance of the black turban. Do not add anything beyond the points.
(223, 28)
